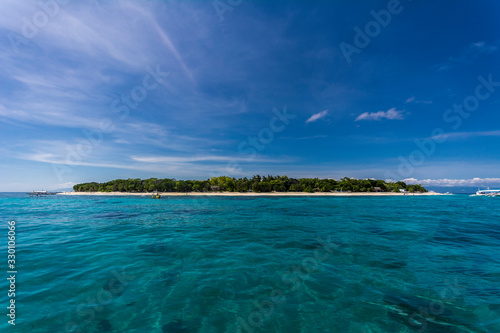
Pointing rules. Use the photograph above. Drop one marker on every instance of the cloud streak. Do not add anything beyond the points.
(467, 135)
(317, 116)
(415, 101)
(391, 114)
(473, 182)
(211, 158)
(469, 55)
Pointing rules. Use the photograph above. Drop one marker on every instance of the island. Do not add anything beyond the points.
(256, 185)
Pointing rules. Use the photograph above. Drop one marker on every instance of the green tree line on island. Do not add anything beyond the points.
(255, 184)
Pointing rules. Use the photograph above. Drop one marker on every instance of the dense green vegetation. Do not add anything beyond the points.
(254, 184)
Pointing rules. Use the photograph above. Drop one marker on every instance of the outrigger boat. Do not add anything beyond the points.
(40, 193)
(488, 193)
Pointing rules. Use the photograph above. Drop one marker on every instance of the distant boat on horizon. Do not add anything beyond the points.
(41, 193)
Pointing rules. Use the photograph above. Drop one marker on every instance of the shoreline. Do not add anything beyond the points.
(252, 194)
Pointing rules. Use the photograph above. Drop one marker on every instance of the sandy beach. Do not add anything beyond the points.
(271, 194)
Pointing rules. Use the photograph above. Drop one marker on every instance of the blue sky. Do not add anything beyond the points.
(99, 90)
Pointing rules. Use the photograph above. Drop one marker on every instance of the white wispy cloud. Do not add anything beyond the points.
(416, 101)
(317, 116)
(165, 38)
(201, 158)
(467, 135)
(473, 182)
(391, 114)
(54, 114)
(471, 53)
(78, 153)
(481, 47)
(310, 137)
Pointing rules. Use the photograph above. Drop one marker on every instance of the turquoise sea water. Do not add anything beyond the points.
(260, 264)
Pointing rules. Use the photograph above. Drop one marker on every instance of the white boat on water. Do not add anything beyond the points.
(488, 193)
